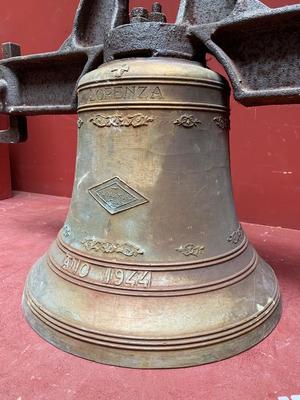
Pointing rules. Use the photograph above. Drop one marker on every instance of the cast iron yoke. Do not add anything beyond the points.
(257, 46)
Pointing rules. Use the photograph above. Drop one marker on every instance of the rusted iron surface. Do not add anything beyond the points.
(149, 35)
(155, 40)
(152, 268)
(17, 131)
(38, 84)
(259, 49)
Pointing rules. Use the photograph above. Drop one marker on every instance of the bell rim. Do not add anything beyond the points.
(212, 337)
(161, 359)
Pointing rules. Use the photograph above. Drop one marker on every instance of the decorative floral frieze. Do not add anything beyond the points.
(222, 122)
(187, 121)
(236, 236)
(97, 246)
(117, 121)
(191, 250)
(66, 231)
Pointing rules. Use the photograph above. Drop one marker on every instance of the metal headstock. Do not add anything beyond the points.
(257, 46)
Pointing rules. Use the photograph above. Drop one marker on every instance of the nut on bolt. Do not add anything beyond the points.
(139, 14)
(156, 15)
(156, 7)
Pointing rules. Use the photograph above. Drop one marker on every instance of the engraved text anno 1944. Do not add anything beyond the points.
(106, 276)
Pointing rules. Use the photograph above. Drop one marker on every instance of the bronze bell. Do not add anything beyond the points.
(152, 268)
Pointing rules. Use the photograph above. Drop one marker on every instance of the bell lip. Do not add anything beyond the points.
(160, 359)
(135, 343)
(153, 352)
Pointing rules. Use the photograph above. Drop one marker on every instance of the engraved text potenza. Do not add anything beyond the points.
(106, 276)
(123, 92)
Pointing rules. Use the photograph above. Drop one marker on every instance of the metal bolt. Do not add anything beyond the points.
(156, 14)
(139, 14)
(156, 7)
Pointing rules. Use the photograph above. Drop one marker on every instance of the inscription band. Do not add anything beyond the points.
(139, 283)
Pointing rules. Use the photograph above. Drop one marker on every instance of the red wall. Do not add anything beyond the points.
(5, 179)
(265, 141)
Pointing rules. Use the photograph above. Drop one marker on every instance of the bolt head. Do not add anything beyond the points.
(139, 14)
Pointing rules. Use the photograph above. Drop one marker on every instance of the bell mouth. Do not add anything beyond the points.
(53, 311)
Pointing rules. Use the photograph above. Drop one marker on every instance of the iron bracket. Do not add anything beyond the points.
(258, 47)
(38, 84)
(17, 131)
